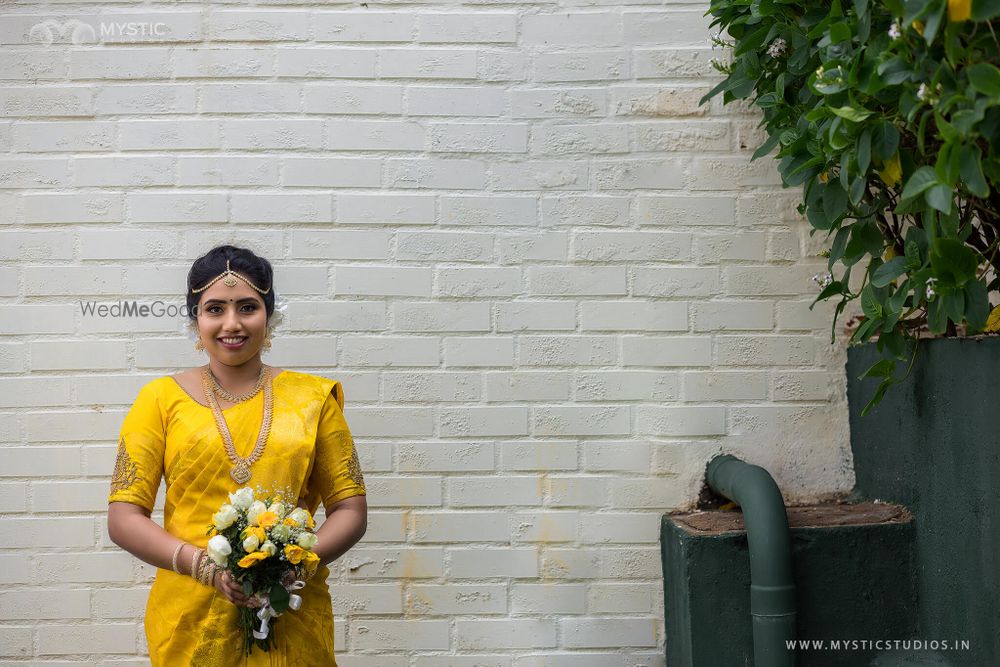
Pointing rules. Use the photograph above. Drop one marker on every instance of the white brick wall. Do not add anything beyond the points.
(552, 284)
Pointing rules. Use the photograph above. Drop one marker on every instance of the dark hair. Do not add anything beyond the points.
(241, 260)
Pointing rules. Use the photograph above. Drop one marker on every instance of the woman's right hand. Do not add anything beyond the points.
(232, 591)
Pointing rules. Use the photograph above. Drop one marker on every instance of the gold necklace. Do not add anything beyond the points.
(236, 398)
(240, 471)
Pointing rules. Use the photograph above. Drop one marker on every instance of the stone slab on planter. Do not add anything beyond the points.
(853, 569)
(933, 445)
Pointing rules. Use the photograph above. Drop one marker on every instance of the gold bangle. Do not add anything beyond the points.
(194, 563)
(173, 561)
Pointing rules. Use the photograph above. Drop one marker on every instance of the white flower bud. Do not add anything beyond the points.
(251, 543)
(255, 510)
(225, 517)
(218, 549)
(269, 548)
(307, 540)
(242, 498)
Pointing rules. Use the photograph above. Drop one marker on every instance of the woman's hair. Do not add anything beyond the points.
(241, 260)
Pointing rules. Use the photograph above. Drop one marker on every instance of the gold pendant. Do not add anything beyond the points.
(240, 473)
(230, 281)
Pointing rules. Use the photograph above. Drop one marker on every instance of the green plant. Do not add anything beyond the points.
(888, 114)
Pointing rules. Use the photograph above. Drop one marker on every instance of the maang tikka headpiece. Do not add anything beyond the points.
(229, 278)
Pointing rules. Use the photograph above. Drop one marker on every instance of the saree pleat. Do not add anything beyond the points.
(191, 624)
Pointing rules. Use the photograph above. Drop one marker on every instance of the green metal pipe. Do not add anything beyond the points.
(772, 591)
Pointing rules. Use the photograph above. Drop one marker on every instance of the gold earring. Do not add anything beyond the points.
(267, 342)
(198, 345)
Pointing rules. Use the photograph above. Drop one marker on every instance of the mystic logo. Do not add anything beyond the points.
(78, 32)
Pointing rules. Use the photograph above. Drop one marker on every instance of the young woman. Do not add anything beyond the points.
(209, 431)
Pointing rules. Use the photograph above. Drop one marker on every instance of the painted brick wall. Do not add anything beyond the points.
(552, 284)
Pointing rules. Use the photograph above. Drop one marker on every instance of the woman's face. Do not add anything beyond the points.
(226, 314)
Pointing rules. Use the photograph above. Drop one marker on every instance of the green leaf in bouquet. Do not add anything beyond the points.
(279, 598)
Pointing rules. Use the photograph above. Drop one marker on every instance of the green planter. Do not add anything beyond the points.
(933, 446)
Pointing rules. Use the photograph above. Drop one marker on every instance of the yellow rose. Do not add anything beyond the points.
(256, 531)
(959, 10)
(267, 519)
(251, 559)
(291, 522)
(294, 554)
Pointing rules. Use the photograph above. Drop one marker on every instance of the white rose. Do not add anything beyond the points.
(256, 509)
(269, 548)
(225, 517)
(242, 498)
(251, 543)
(299, 516)
(307, 541)
(278, 509)
(281, 532)
(218, 549)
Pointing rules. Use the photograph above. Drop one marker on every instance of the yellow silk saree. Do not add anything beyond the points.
(309, 456)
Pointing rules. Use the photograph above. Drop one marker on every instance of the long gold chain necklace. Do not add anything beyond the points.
(236, 398)
(240, 471)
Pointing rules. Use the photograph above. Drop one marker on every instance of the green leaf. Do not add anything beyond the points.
(850, 113)
(972, 171)
(870, 303)
(953, 262)
(977, 304)
(984, 10)
(858, 187)
(834, 201)
(766, 147)
(864, 150)
(840, 32)
(937, 321)
(279, 598)
(953, 303)
(941, 197)
(879, 394)
(889, 271)
(885, 140)
(882, 369)
(921, 180)
(985, 78)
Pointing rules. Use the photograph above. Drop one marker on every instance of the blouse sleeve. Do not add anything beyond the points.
(141, 445)
(336, 473)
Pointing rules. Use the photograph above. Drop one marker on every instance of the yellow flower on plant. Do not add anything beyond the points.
(267, 520)
(824, 176)
(993, 321)
(959, 10)
(919, 27)
(889, 253)
(891, 171)
(294, 554)
(252, 559)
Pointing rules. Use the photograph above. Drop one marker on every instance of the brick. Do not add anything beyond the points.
(633, 316)
(445, 457)
(632, 246)
(458, 599)
(511, 633)
(480, 562)
(536, 316)
(460, 527)
(584, 210)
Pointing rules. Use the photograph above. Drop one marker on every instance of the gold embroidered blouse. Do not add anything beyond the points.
(310, 456)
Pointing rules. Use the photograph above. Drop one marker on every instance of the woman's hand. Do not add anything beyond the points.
(232, 590)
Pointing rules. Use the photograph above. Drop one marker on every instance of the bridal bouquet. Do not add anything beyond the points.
(266, 548)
